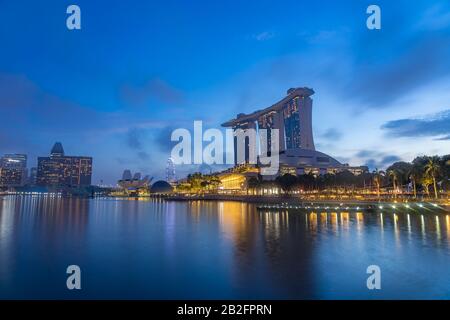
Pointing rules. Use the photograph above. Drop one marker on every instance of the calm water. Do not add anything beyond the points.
(178, 250)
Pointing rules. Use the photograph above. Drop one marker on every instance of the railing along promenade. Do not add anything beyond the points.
(306, 201)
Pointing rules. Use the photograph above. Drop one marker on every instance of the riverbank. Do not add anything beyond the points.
(291, 202)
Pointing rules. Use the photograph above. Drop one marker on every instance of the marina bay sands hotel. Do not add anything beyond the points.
(292, 116)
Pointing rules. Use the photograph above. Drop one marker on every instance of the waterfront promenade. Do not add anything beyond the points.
(295, 201)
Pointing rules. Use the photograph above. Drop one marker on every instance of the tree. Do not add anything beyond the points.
(399, 173)
(345, 178)
(415, 174)
(306, 181)
(445, 171)
(286, 182)
(432, 170)
(426, 182)
(377, 179)
(253, 183)
(214, 182)
(393, 175)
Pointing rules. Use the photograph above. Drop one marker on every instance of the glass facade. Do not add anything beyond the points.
(267, 121)
(64, 171)
(13, 170)
(292, 123)
(61, 170)
(243, 138)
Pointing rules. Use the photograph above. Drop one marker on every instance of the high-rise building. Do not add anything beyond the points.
(292, 116)
(170, 171)
(62, 170)
(32, 177)
(13, 160)
(13, 170)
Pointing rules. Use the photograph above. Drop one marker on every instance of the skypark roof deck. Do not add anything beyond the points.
(291, 93)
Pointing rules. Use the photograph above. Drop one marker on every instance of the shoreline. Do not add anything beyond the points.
(296, 202)
(283, 202)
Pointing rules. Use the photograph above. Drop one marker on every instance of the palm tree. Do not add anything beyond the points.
(377, 178)
(426, 181)
(415, 174)
(253, 183)
(432, 169)
(286, 182)
(394, 176)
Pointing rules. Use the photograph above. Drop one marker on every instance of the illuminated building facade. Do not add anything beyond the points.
(62, 170)
(170, 171)
(13, 170)
(292, 116)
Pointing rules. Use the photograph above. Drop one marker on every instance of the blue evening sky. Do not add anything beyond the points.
(137, 70)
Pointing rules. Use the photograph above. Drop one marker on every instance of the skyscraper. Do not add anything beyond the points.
(13, 170)
(32, 176)
(292, 116)
(62, 170)
(170, 171)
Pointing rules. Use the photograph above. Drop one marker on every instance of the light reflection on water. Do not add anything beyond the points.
(189, 250)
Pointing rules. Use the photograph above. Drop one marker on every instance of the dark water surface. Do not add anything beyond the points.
(209, 250)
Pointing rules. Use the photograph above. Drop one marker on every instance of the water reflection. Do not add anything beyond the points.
(188, 250)
(447, 223)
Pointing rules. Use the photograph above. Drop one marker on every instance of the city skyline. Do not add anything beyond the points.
(120, 104)
(224, 158)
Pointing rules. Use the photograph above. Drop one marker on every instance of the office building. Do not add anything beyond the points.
(61, 170)
(13, 170)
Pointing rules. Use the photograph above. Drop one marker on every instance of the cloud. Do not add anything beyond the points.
(435, 18)
(377, 69)
(143, 155)
(382, 163)
(155, 89)
(443, 138)
(433, 125)
(376, 159)
(388, 160)
(162, 138)
(134, 138)
(332, 134)
(366, 153)
(163, 141)
(380, 84)
(24, 104)
(264, 36)
(32, 118)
